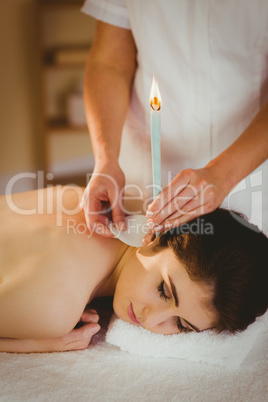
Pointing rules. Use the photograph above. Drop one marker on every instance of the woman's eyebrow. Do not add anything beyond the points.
(174, 291)
(174, 294)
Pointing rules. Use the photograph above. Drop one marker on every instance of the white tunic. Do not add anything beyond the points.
(210, 58)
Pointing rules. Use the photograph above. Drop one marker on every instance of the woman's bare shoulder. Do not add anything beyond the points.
(51, 219)
(50, 199)
(49, 256)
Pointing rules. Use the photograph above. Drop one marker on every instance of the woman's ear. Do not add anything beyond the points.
(148, 238)
(150, 244)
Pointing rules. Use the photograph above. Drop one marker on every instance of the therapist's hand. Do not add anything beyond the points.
(102, 199)
(192, 193)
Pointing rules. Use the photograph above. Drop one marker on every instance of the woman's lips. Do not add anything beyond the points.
(131, 314)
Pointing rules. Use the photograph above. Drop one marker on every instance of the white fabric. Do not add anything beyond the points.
(104, 373)
(211, 61)
(208, 347)
(113, 12)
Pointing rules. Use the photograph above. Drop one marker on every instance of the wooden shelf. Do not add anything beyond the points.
(64, 66)
(66, 56)
(65, 36)
(79, 180)
(55, 3)
(61, 125)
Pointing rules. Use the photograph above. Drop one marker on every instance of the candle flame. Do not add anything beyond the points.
(155, 97)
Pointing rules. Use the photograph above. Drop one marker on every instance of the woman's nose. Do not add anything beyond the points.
(155, 316)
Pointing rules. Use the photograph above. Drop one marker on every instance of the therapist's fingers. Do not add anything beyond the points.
(172, 198)
(101, 203)
(198, 205)
(97, 221)
(175, 206)
(118, 216)
(191, 210)
(176, 186)
(202, 194)
(174, 222)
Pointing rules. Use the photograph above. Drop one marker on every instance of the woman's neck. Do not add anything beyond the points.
(107, 287)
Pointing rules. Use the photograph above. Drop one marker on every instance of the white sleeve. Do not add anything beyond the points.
(113, 12)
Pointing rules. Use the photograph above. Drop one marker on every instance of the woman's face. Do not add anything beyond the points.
(154, 290)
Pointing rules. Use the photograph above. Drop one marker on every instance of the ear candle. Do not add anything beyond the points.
(155, 127)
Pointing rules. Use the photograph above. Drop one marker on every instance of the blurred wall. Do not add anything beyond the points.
(20, 123)
(22, 146)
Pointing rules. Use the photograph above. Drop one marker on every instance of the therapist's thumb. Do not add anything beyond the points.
(118, 217)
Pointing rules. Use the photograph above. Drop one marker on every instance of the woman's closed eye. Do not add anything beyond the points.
(164, 291)
(165, 294)
(181, 327)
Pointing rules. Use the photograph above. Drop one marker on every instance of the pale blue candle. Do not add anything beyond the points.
(155, 127)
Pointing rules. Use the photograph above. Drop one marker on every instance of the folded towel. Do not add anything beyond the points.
(219, 349)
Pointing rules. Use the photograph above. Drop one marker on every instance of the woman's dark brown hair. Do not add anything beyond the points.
(222, 249)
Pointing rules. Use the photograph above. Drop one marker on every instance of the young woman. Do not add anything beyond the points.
(211, 273)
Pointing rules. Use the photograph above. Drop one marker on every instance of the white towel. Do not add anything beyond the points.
(219, 349)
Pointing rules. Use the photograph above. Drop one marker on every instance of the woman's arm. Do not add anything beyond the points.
(107, 86)
(78, 338)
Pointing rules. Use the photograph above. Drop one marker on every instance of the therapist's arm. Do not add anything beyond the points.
(195, 192)
(107, 86)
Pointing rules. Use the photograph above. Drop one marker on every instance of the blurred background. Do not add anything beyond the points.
(43, 133)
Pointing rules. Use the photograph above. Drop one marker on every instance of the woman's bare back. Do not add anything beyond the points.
(50, 265)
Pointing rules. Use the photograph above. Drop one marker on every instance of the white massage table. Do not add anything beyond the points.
(103, 372)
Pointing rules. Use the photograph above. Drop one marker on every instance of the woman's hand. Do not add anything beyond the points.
(103, 199)
(78, 338)
(190, 194)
